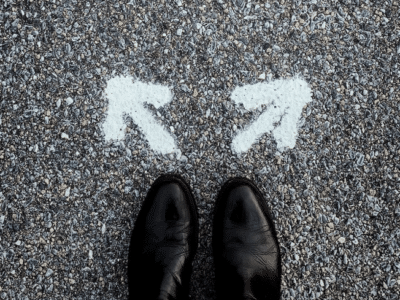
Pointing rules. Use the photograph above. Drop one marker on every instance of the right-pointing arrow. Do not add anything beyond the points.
(285, 99)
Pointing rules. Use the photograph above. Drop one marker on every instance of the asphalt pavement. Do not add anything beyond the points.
(70, 191)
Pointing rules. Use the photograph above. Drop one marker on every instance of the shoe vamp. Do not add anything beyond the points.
(167, 244)
(166, 252)
(251, 259)
(244, 236)
(161, 232)
(256, 250)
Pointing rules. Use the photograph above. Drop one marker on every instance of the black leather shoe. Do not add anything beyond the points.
(246, 251)
(164, 241)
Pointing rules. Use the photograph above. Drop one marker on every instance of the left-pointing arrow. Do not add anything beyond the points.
(126, 97)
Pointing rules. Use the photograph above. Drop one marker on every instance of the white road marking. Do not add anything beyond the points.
(128, 97)
(285, 99)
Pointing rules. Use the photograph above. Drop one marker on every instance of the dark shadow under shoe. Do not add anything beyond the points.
(245, 246)
(164, 241)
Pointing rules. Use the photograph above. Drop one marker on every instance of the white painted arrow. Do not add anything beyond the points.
(127, 97)
(285, 99)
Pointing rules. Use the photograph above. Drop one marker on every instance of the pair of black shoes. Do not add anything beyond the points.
(165, 237)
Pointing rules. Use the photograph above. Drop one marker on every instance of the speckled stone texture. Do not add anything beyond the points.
(69, 199)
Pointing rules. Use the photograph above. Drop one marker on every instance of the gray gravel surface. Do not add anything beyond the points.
(69, 199)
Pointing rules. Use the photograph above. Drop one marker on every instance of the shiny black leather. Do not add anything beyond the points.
(246, 251)
(164, 241)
